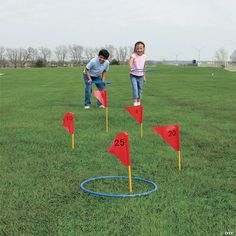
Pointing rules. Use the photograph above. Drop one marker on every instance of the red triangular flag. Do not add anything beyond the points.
(136, 112)
(120, 148)
(68, 122)
(101, 95)
(171, 134)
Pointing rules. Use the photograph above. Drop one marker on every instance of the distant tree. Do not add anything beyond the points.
(221, 57)
(39, 63)
(111, 49)
(12, 56)
(33, 55)
(2, 57)
(122, 54)
(61, 53)
(33, 52)
(18, 56)
(76, 53)
(130, 50)
(45, 54)
(90, 53)
(233, 57)
(24, 56)
(114, 62)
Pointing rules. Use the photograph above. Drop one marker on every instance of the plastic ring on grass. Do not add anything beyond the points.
(101, 82)
(154, 187)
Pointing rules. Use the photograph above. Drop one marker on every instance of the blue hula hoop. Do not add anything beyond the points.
(144, 70)
(101, 82)
(118, 195)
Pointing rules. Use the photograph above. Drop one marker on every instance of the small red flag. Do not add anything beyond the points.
(136, 112)
(120, 148)
(101, 95)
(68, 122)
(171, 134)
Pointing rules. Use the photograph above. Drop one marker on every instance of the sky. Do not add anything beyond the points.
(171, 29)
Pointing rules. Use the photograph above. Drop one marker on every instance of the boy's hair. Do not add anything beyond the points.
(139, 42)
(104, 53)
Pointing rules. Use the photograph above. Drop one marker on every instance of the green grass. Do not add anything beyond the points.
(40, 174)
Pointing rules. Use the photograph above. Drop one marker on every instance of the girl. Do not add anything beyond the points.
(137, 71)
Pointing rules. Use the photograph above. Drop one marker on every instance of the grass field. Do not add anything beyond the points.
(40, 174)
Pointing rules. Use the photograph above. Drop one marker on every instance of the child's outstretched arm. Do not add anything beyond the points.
(88, 75)
(131, 63)
(144, 68)
(104, 73)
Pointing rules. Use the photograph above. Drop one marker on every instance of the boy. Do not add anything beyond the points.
(95, 71)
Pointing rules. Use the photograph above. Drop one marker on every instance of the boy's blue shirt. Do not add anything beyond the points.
(95, 68)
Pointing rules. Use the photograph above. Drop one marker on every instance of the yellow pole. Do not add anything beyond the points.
(179, 160)
(107, 119)
(141, 127)
(130, 179)
(73, 141)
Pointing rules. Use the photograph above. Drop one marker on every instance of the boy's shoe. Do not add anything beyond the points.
(135, 104)
(101, 106)
(86, 107)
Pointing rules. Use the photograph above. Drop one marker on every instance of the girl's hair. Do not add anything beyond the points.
(139, 42)
(104, 53)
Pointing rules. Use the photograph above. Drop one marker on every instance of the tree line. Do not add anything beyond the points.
(222, 58)
(73, 55)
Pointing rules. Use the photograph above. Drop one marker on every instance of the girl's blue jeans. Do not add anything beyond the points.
(89, 89)
(137, 86)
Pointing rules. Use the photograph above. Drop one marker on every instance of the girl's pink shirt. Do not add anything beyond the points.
(137, 62)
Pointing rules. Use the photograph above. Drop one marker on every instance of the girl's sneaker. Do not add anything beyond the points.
(86, 107)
